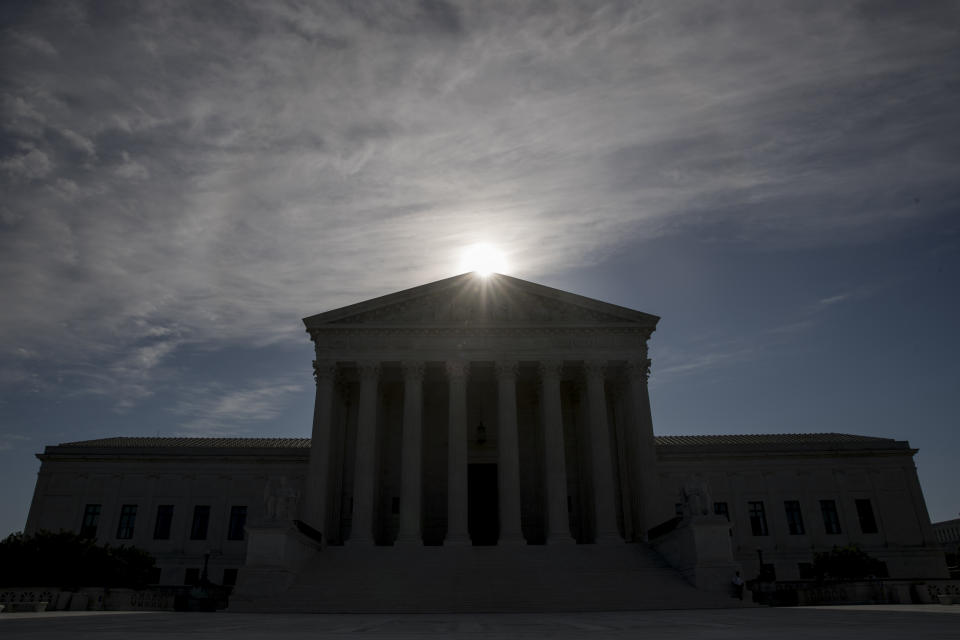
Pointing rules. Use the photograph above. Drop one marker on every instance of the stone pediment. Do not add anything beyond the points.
(471, 300)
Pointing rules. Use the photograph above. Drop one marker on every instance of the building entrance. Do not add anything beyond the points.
(483, 510)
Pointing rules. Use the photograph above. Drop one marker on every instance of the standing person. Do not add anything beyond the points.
(737, 582)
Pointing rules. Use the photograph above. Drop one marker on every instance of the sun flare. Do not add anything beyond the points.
(483, 258)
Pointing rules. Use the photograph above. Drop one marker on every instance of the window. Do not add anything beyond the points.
(868, 524)
(758, 519)
(678, 509)
(191, 576)
(91, 518)
(161, 530)
(238, 518)
(720, 509)
(806, 570)
(128, 515)
(155, 573)
(831, 520)
(201, 518)
(395, 505)
(229, 577)
(794, 517)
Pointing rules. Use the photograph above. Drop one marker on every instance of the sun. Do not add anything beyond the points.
(483, 258)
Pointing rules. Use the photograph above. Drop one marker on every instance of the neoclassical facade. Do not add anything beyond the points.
(499, 430)
(520, 405)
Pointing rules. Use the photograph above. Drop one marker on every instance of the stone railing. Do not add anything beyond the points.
(13, 600)
(885, 591)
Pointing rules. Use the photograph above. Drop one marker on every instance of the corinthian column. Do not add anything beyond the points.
(410, 454)
(601, 459)
(457, 532)
(645, 452)
(364, 478)
(319, 471)
(509, 454)
(558, 519)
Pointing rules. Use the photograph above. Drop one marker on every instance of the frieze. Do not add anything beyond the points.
(332, 343)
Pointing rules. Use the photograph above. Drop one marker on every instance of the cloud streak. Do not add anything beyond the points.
(226, 172)
(214, 409)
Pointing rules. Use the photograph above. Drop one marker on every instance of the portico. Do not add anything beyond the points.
(418, 390)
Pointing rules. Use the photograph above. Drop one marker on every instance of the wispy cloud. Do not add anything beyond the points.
(229, 172)
(214, 409)
(12, 441)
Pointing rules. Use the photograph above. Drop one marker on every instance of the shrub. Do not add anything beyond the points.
(847, 563)
(66, 560)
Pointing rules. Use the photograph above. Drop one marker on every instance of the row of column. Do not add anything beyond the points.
(364, 494)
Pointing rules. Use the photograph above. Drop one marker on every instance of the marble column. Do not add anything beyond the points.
(457, 501)
(558, 519)
(508, 446)
(644, 454)
(364, 480)
(318, 473)
(411, 470)
(605, 515)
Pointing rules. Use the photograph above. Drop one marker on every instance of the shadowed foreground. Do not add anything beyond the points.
(873, 622)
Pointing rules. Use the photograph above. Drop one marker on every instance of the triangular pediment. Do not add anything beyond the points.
(468, 299)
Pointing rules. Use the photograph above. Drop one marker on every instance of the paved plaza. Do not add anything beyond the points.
(877, 622)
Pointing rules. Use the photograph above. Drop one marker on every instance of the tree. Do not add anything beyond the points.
(66, 560)
(847, 563)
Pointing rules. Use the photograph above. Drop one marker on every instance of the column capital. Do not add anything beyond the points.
(639, 368)
(413, 370)
(550, 368)
(368, 369)
(324, 370)
(506, 368)
(458, 369)
(595, 368)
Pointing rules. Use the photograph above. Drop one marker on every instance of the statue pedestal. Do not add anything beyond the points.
(699, 548)
(276, 552)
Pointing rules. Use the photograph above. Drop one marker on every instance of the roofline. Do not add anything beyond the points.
(322, 320)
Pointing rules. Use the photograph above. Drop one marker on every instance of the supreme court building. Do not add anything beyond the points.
(487, 443)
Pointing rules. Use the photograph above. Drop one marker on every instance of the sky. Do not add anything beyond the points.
(182, 182)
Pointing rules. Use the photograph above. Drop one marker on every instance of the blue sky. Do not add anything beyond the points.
(182, 182)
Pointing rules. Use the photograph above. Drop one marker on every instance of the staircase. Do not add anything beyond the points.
(496, 578)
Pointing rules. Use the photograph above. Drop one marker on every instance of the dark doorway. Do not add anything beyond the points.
(483, 510)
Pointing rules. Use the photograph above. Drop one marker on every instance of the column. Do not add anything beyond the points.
(605, 516)
(318, 473)
(558, 519)
(457, 532)
(411, 470)
(508, 454)
(644, 446)
(364, 482)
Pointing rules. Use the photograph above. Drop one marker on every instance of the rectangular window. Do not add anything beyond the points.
(868, 524)
(758, 519)
(238, 519)
(91, 518)
(831, 520)
(720, 509)
(155, 573)
(201, 518)
(191, 576)
(128, 516)
(161, 529)
(794, 517)
(806, 571)
(229, 577)
(678, 509)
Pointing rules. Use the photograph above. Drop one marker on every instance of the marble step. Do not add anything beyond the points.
(457, 579)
